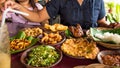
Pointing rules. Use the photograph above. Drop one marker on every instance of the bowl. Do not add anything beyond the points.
(40, 37)
(108, 54)
(28, 58)
(104, 44)
(80, 48)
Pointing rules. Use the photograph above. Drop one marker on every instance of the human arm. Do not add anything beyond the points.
(1, 8)
(0, 16)
(34, 16)
(102, 22)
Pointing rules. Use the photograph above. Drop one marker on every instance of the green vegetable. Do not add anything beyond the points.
(113, 15)
(21, 35)
(12, 38)
(30, 38)
(68, 33)
(42, 56)
(117, 12)
(29, 61)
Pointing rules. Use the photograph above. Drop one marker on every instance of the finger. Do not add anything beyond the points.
(16, 6)
(117, 26)
(2, 9)
(9, 4)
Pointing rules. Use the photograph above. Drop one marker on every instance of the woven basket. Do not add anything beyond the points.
(107, 45)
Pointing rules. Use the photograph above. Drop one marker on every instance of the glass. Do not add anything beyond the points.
(4, 47)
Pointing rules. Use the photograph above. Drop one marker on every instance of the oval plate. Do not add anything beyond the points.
(21, 35)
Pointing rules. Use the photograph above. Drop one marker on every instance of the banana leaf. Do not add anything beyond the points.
(94, 31)
(22, 35)
(68, 33)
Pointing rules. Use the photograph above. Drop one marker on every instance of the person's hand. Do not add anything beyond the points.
(117, 26)
(12, 5)
(112, 25)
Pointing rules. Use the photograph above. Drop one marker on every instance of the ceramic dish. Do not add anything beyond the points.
(26, 56)
(108, 57)
(80, 48)
(40, 37)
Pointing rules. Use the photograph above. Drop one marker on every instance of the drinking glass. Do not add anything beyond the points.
(4, 47)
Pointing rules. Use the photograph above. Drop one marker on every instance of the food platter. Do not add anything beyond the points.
(99, 28)
(74, 57)
(55, 28)
(110, 44)
(80, 48)
(56, 53)
(69, 55)
(17, 42)
(48, 38)
(33, 31)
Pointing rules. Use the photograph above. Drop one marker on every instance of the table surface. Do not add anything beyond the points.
(66, 62)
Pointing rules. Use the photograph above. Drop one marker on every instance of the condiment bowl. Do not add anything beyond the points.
(110, 57)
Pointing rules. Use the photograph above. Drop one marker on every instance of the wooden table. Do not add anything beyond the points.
(66, 62)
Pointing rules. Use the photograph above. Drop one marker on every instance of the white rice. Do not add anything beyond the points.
(109, 37)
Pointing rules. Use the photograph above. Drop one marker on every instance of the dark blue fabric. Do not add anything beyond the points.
(72, 13)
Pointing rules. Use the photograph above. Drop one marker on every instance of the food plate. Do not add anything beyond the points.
(75, 57)
(99, 28)
(55, 27)
(17, 43)
(80, 48)
(33, 31)
(50, 38)
(108, 44)
(108, 57)
(44, 53)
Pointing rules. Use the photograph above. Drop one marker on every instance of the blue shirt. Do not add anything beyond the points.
(71, 12)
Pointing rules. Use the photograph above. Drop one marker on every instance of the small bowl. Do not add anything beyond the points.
(106, 52)
(25, 55)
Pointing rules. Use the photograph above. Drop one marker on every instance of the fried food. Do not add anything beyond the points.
(51, 38)
(112, 60)
(80, 47)
(56, 27)
(18, 44)
(33, 31)
(76, 31)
